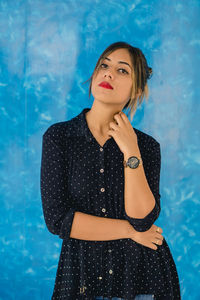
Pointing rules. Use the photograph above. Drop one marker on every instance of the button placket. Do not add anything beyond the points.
(100, 277)
(102, 181)
(102, 191)
(110, 262)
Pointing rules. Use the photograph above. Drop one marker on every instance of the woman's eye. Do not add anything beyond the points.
(124, 71)
(103, 65)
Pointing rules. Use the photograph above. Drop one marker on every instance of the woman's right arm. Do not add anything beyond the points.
(89, 227)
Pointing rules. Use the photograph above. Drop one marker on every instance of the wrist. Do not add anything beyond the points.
(129, 230)
(132, 152)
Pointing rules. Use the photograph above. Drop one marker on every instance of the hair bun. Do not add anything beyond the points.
(149, 72)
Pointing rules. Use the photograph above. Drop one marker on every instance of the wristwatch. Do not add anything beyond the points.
(133, 162)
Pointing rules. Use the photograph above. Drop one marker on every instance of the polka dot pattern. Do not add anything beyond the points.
(77, 174)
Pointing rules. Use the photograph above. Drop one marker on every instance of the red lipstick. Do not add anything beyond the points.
(106, 85)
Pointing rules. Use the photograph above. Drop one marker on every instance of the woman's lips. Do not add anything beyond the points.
(106, 85)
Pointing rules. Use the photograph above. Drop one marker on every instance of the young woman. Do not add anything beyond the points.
(100, 191)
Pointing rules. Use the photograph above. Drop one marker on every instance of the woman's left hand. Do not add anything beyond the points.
(123, 133)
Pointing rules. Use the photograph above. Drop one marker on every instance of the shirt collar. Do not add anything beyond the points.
(84, 129)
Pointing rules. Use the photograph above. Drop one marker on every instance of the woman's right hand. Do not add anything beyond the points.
(150, 238)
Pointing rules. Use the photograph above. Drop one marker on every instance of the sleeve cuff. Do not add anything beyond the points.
(67, 224)
(145, 223)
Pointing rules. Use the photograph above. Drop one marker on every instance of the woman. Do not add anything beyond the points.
(100, 191)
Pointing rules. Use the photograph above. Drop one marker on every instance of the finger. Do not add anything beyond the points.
(113, 126)
(124, 116)
(159, 229)
(157, 241)
(159, 236)
(153, 246)
(111, 133)
(150, 245)
(118, 119)
(154, 227)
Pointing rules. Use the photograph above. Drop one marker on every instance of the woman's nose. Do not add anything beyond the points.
(108, 73)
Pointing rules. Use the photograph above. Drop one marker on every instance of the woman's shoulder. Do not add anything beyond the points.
(145, 138)
(62, 129)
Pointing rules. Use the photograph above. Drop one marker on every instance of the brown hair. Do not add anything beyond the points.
(142, 72)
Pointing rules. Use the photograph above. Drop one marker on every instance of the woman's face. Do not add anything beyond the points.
(116, 69)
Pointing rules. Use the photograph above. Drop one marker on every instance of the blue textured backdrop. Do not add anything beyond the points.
(47, 49)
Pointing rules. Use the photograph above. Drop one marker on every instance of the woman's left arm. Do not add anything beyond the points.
(141, 195)
(143, 208)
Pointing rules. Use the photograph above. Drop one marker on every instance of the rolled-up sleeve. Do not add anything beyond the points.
(58, 213)
(152, 166)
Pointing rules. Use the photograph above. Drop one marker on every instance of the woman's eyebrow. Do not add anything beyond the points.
(120, 62)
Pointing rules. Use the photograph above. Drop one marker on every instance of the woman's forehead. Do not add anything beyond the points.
(118, 54)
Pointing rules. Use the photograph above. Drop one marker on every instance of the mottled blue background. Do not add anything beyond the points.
(47, 50)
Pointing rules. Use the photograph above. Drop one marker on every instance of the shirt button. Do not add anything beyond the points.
(101, 149)
(100, 277)
(110, 271)
(102, 190)
(109, 250)
(101, 170)
(103, 210)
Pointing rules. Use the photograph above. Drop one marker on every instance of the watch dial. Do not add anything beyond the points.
(134, 162)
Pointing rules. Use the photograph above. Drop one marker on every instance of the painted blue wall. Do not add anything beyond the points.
(47, 50)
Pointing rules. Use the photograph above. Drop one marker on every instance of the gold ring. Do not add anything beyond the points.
(157, 230)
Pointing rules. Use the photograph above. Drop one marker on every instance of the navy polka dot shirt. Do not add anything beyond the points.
(77, 174)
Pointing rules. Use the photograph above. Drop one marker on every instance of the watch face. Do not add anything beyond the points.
(133, 162)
